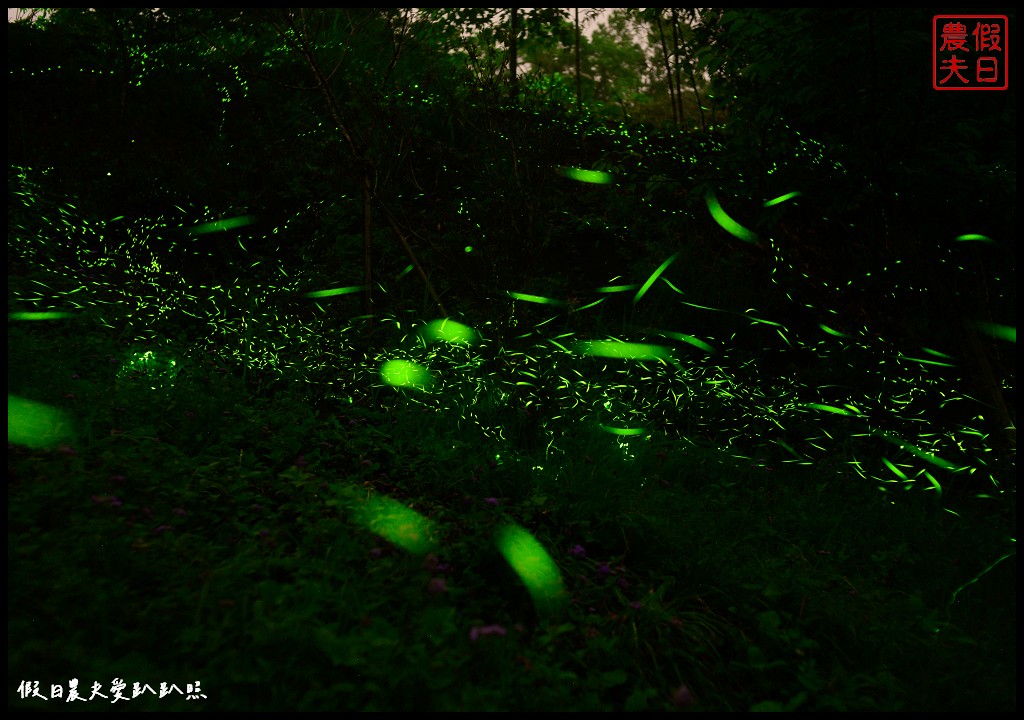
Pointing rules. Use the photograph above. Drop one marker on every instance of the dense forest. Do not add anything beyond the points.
(508, 359)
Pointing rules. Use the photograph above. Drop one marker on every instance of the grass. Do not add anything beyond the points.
(201, 527)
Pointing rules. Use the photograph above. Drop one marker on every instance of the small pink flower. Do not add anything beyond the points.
(477, 631)
(492, 501)
(683, 698)
(436, 586)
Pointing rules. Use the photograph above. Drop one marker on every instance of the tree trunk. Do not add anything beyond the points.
(579, 86)
(676, 113)
(513, 56)
(367, 250)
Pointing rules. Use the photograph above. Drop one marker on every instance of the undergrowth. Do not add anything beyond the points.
(199, 531)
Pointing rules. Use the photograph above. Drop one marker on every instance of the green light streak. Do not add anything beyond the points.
(896, 471)
(621, 431)
(830, 331)
(673, 287)
(587, 176)
(914, 450)
(449, 331)
(687, 339)
(623, 350)
(39, 315)
(1000, 332)
(831, 409)
(616, 288)
(977, 577)
(782, 198)
(404, 373)
(535, 299)
(789, 449)
(654, 276)
(36, 425)
(335, 291)
(397, 523)
(934, 482)
(925, 361)
(728, 224)
(220, 225)
(533, 565)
